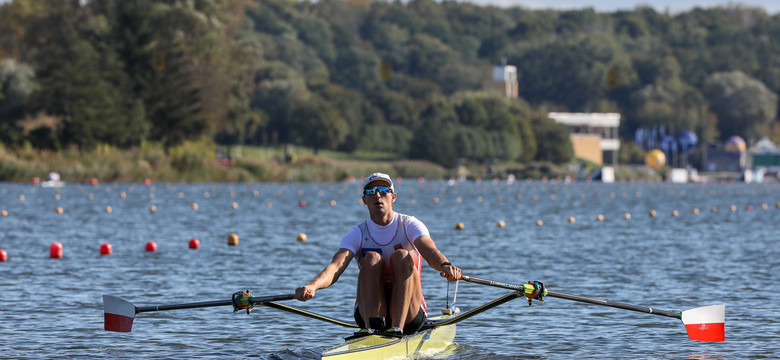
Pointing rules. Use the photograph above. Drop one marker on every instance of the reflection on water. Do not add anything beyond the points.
(706, 244)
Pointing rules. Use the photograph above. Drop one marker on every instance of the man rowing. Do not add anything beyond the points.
(388, 248)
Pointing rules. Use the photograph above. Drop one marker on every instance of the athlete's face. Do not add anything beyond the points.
(380, 198)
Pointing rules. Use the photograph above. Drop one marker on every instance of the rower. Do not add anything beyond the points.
(388, 248)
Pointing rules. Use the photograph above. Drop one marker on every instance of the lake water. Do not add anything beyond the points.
(728, 253)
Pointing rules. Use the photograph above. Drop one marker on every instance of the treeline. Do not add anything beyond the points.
(407, 79)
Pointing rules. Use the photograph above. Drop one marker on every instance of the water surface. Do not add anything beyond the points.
(728, 253)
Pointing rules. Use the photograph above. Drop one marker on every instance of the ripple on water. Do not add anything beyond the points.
(665, 262)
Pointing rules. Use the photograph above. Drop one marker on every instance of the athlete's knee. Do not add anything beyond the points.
(401, 255)
(371, 258)
(403, 259)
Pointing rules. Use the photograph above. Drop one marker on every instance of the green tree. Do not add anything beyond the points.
(358, 68)
(573, 72)
(433, 137)
(316, 33)
(523, 116)
(397, 108)
(277, 98)
(552, 141)
(472, 112)
(391, 139)
(391, 44)
(317, 124)
(155, 41)
(744, 105)
(16, 85)
(78, 83)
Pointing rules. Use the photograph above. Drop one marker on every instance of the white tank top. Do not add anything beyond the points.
(384, 240)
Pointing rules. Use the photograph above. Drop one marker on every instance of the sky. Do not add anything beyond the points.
(772, 7)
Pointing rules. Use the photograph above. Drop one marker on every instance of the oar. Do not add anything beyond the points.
(706, 323)
(118, 313)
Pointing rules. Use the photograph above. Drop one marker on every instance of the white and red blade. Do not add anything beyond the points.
(706, 323)
(118, 314)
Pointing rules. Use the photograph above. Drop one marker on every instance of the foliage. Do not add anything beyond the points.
(553, 143)
(404, 78)
(744, 106)
(631, 153)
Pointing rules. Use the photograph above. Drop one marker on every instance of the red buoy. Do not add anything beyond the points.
(194, 243)
(151, 246)
(147, 182)
(3, 256)
(55, 250)
(105, 249)
(302, 203)
(36, 180)
(93, 181)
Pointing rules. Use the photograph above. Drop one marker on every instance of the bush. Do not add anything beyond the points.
(260, 170)
(191, 158)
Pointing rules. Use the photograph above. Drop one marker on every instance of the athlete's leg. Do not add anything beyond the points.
(407, 289)
(371, 290)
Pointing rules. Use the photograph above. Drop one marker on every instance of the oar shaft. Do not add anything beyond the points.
(523, 287)
(255, 300)
(613, 304)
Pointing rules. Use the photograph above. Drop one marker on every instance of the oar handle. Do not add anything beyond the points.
(528, 288)
(255, 301)
(517, 287)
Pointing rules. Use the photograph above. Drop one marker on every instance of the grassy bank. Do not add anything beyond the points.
(198, 162)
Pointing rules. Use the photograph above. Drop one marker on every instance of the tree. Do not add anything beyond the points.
(358, 68)
(572, 73)
(16, 85)
(744, 105)
(552, 140)
(317, 124)
(316, 33)
(277, 98)
(156, 42)
(80, 84)
(433, 138)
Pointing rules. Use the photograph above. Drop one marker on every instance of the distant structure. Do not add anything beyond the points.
(730, 156)
(504, 81)
(765, 154)
(594, 136)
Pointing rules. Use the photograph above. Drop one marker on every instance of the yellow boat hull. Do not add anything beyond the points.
(425, 343)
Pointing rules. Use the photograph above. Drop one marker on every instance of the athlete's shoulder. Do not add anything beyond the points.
(408, 218)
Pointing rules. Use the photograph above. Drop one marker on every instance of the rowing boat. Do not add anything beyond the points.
(437, 334)
(431, 340)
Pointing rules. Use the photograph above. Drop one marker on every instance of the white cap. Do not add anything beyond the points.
(378, 177)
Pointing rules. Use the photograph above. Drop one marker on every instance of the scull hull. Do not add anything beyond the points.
(425, 343)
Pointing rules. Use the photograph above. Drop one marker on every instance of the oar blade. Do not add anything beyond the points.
(706, 323)
(118, 314)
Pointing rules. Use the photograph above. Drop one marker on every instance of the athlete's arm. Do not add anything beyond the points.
(327, 277)
(435, 258)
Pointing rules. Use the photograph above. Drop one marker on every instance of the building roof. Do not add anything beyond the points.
(589, 119)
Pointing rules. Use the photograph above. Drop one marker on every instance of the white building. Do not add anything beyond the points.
(594, 136)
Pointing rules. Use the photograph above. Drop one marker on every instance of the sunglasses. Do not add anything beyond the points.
(383, 190)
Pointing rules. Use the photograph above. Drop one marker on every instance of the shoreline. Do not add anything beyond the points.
(198, 163)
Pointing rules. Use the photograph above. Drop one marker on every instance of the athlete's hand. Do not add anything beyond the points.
(451, 272)
(304, 292)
